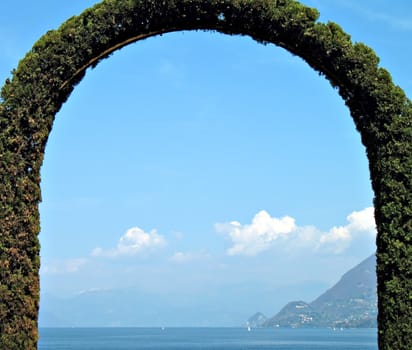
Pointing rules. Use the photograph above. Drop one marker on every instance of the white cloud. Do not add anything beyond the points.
(336, 240)
(265, 232)
(59, 267)
(134, 242)
(259, 235)
(339, 238)
(363, 220)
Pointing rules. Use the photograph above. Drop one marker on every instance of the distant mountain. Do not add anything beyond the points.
(101, 308)
(121, 308)
(352, 302)
(224, 305)
(257, 320)
(126, 307)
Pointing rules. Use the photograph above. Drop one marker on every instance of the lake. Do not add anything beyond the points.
(206, 339)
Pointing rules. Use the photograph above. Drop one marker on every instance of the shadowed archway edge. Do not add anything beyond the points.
(49, 72)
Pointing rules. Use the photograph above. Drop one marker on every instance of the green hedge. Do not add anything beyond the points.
(48, 74)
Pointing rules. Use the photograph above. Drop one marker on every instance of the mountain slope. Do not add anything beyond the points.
(353, 298)
(352, 302)
(257, 320)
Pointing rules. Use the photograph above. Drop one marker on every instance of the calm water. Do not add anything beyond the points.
(206, 339)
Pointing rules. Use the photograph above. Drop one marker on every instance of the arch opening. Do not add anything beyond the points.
(241, 112)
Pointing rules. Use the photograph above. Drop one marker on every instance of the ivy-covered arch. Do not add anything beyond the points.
(49, 72)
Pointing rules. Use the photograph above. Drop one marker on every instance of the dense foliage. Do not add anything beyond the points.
(47, 75)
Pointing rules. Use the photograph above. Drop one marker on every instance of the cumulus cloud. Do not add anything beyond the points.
(134, 242)
(339, 238)
(257, 236)
(265, 232)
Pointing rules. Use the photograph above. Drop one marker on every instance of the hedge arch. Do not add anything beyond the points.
(49, 72)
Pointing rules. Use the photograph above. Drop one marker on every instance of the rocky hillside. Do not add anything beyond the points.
(352, 302)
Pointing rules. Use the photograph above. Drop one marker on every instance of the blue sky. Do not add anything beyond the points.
(210, 161)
